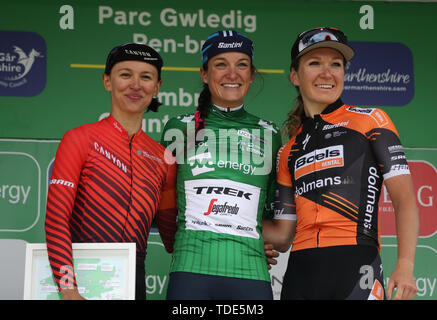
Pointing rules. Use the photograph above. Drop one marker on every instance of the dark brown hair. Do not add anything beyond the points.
(294, 119)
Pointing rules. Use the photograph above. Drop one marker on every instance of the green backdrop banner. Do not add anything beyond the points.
(61, 87)
(52, 56)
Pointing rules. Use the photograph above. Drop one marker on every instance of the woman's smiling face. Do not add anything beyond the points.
(132, 84)
(320, 77)
(229, 77)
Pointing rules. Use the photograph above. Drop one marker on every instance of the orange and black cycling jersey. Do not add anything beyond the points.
(330, 175)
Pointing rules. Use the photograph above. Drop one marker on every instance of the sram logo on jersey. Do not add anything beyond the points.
(319, 159)
(62, 182)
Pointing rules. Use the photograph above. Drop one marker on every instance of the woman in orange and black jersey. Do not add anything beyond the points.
(330, 175)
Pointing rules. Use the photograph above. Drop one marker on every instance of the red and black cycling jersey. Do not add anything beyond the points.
(107, 187)
(331, 174)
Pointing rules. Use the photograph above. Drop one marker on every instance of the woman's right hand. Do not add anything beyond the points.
(271, 254)
(71, 294)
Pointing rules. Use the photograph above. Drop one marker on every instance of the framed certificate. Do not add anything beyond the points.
(104, 271)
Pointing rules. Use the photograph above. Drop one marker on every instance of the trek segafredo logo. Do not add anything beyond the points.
(319, 159)
(222, 206)
(22, 63)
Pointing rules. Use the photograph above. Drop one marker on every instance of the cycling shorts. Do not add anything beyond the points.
(338, 272)
(195, 286)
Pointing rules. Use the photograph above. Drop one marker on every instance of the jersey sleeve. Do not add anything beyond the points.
(166, 137)
(174, 134)
(70, 157)
(271, 184)
(285, 207)
(283, 175)
(386, 145)
(167, 210)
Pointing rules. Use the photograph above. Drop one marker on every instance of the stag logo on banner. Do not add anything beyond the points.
(380, 74)
(22, 64)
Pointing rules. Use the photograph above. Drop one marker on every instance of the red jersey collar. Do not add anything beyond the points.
(119, 128)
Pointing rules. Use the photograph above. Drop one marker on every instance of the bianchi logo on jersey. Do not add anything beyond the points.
(319, 159)
(222, 206)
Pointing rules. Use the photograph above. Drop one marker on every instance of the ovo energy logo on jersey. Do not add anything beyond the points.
(198, 163)
(319, 159)
(22, 64)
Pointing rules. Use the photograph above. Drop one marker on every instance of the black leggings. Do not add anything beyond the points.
(195, 286)
(340, 272)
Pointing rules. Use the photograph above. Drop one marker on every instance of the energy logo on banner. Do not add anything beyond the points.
(22, 64)
(20, 175)
(380, 74)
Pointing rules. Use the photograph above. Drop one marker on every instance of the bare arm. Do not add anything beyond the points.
(401, 191)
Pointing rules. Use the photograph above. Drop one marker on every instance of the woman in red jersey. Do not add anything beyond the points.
(330, 175)
(116, 179)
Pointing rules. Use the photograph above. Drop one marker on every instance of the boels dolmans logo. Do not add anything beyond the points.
(22, 64)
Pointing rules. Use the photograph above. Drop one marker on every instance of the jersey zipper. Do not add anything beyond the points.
(318, 234)
(131, 185)
(317, 120)
(131, 174)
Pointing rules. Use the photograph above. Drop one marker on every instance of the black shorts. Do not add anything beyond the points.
(195, 286)
(340, 272)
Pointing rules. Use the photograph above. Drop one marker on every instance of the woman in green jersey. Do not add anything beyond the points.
(225, 173)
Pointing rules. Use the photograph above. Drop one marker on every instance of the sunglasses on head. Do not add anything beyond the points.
(310, 37)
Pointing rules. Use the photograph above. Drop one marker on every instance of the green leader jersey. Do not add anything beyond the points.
(225, 187)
